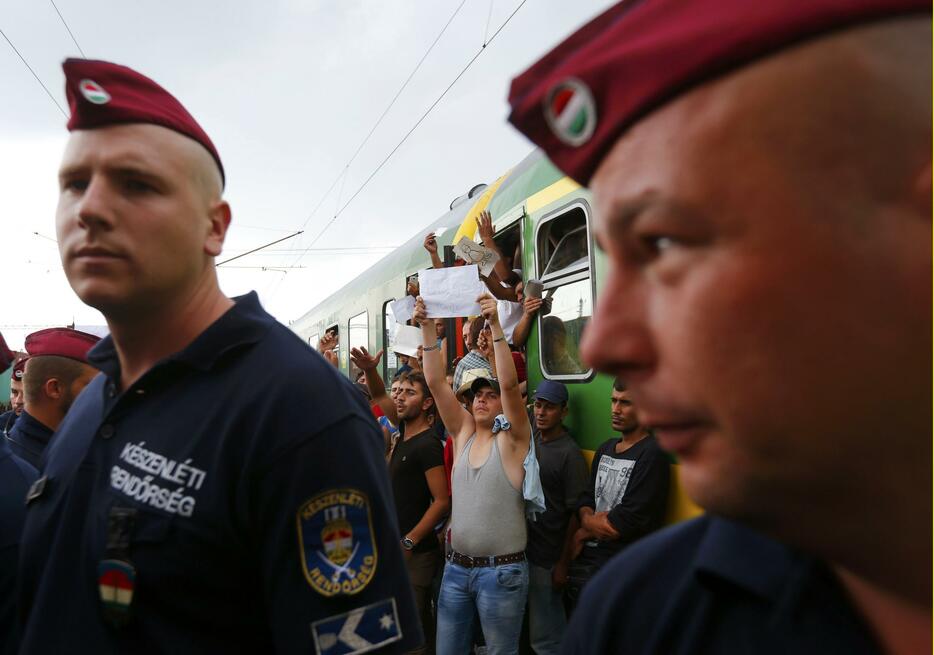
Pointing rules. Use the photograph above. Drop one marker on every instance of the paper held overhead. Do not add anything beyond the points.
(474, 253)
(403, 308)
(407, 340)
(451, 292)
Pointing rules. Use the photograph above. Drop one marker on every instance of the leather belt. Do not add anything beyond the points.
(469, 562)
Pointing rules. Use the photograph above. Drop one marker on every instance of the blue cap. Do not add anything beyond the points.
(553, 392)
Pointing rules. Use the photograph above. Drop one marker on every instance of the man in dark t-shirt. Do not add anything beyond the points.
(627, 496)
(563, 473)
(420, 489)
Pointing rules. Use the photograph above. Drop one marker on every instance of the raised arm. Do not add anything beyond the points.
(486, 229)
(520, 334)
(431, 245)
(510, 394)
(374, 382)
(452, 414)
(492, 282)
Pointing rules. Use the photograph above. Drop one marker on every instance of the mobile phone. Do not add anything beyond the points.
(533, 289)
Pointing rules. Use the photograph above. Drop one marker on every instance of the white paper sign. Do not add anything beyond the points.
(451, 292)
(407, 340)
(474, 253)
(403, 308)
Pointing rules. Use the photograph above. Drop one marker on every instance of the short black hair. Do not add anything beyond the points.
(619, 384)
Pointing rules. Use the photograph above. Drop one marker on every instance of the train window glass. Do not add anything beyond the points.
(563, 264)
(390, 363)
(356, 338)
(313, 340)
(569, 308)
(563, 244)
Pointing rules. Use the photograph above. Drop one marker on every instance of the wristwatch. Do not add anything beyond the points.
(407, 543)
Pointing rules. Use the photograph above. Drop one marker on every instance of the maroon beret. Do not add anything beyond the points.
(19, 367)
(63, 342)
(579, 98)
(6, 355)
(101, 93)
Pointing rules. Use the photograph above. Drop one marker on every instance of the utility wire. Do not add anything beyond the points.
(248, 252)
(26, 64)
(417, 123)
(68, 28)
(486, 30)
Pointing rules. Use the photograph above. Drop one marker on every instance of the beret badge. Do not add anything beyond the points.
(571, 112)
(93, 92)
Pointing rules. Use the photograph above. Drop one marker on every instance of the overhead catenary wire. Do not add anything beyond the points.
(70, 33)
(417, 123)
(248, 252)
(26, 64)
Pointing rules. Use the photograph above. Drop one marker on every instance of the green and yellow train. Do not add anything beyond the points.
(544, 217)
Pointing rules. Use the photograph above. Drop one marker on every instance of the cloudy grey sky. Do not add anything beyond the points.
(287, 90)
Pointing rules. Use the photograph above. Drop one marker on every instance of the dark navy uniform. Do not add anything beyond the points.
(16, 476)
(233, 499)
(28, 438)
(7, 419)
(712, 586)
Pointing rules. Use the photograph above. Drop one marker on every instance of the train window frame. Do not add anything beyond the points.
(387, 344)
(566, 276)
(350, 321)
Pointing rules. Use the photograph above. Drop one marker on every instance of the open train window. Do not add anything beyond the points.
(390, 363)
(356, 338)
(563, 263)
(508, 243)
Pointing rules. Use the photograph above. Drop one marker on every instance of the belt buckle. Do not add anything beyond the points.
(492, 561)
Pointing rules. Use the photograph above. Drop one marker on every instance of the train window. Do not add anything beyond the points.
(563, 263)
(313, 340)
(563, 244)
(390, 363)
(357, 337)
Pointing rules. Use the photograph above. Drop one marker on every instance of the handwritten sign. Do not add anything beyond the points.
(403, 308)
(474, 253)
(407, 340)
(451, 292)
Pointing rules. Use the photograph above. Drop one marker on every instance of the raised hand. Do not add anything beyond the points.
(430, 244)
(419, 314)
(488, 308)
(364, 360)
(485, 226)
(531, 306)
(327, 342)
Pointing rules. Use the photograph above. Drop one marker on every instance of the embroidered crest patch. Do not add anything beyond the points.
(358, 631)
(335, 538)
(94, 92)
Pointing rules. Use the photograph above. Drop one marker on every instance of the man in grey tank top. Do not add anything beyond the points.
(486, 571)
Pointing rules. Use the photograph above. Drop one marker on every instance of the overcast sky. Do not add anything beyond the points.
(287, 90)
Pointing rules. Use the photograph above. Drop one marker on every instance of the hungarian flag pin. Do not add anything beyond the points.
(116, 580)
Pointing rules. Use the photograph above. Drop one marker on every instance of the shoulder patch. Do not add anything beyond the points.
(358, 631)
(335, 539)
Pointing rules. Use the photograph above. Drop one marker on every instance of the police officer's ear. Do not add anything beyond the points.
(564, 411)
(219, 220)
(53, 388)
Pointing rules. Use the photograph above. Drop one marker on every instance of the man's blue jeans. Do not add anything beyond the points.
(497, 592)
(547, 619)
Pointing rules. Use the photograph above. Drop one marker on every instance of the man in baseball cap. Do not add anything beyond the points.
(193, 498)
(761, 174)
(56, 371)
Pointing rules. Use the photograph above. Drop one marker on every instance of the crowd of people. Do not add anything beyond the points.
(472, 456)
(761, 191)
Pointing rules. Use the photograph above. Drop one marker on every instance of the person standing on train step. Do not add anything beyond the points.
(564, 480)
(761, 177)
(56, 371)
(627, 495)
(194, 499)
(486, 571)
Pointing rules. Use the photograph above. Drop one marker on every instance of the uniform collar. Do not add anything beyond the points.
(33, 427)
(746, 559)
(244, 323)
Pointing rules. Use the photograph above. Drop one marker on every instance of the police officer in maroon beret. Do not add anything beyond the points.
(219, 488)
(55, 372)
(761, 176)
